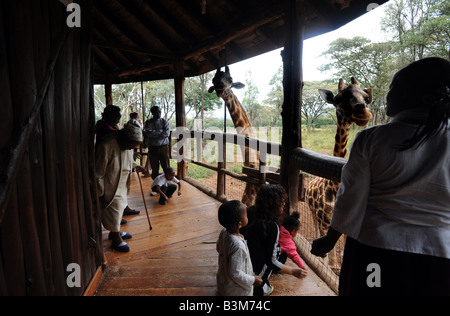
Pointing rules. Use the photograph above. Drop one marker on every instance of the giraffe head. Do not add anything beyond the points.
(222, 82)
(351, 102)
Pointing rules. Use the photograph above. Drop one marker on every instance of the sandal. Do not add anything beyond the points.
(122, 247)
(123, 235)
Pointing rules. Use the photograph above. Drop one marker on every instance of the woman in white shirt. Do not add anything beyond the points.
(394, 199)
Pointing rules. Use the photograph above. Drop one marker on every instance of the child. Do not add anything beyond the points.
(289, 230)
(164, 186)
(235, 274)
(262, 235)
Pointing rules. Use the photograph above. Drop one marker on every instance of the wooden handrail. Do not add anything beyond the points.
(321, 165)
(300, 159)
(272, 148)
(263, 147)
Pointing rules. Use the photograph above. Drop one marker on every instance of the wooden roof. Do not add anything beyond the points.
(139, 40)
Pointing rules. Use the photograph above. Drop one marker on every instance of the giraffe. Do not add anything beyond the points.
(223, 84)
(351, 104)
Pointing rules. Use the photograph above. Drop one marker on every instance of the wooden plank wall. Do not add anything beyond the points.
(50, 219)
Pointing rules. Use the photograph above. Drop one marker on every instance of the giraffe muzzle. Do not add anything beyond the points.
(362, 118)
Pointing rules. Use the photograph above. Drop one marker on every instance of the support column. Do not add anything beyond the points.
(180, 111)
(293, 85)
(108, 93)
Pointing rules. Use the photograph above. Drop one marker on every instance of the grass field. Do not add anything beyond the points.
(322, 140)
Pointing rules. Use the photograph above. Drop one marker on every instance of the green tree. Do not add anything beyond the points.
(370, 63)
(250, 101)
(198, 100)
(313, 106)
(421, 28)
(274, 101)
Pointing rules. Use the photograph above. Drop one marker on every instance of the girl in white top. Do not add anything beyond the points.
(394, 199)
(235, 274)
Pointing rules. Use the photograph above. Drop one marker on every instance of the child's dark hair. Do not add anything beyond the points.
(268, 201)
(291, 222)
(230, 214)
(267, 204)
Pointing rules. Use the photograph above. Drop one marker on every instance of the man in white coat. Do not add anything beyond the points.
(114, 164)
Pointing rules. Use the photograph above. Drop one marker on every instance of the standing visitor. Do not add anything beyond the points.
(157, 132)
(393, 201)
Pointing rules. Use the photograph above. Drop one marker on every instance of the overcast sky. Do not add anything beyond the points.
(263, 67)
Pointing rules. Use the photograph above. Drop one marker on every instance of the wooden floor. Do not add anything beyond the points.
(178, 257)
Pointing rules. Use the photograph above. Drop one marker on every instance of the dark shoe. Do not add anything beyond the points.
(123, 222)
(129, 211)
(123, 235)
(162, 202)
(123, 247)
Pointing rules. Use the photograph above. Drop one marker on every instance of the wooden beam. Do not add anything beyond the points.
(66, 2)
(111, 15)
(133, 49)
(233, 33)
(136, 70)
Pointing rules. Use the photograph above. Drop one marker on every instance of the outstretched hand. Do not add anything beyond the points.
(300, 273)
(323, 245)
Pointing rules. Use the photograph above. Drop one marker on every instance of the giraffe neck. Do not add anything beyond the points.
(243, 127)
(341, 139)
(237, 113)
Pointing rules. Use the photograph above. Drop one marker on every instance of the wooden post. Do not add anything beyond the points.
(143, 102)
(180, 111)
(108, 93)
(293, 85)
(221, 166)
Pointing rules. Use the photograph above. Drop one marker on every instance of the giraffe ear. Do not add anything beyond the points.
(238, 85)
(326, 95)
(341, 85)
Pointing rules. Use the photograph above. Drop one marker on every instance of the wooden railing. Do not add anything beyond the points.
(317, 164)
(303, 160)
(256, 174)
(300, 159)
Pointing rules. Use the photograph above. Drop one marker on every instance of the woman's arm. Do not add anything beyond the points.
(323, 245)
